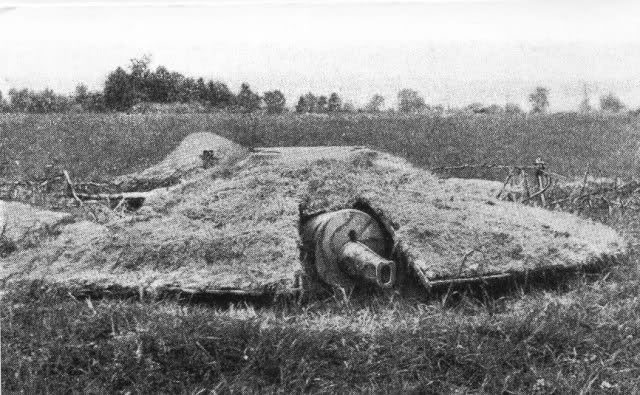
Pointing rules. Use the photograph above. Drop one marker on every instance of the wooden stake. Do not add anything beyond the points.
(525, 183)
(584, 180)
(541, 192)
(504, 185)
(460, 269)
(70, 186)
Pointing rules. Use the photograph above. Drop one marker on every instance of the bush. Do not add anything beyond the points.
(4, 106)
(274, 101)
(512, 108)
(410, 101)
(45, 101)
(539, 100)
(611, 103)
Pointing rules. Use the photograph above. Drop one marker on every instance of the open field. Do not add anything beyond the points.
(582, 335)
(98, 145)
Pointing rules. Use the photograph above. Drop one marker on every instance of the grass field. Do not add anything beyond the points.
(585, 336)
(580, 336)
(99, 145)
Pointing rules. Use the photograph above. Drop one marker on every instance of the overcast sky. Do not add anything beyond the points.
(453, 52)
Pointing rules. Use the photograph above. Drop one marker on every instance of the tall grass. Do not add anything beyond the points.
(585, 339)
(100, 145)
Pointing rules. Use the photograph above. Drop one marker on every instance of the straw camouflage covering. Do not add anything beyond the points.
(235, 227)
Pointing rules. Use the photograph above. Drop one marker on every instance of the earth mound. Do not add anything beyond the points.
(237, 231)
(183, 161)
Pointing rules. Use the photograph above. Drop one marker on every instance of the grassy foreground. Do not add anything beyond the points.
(99, 145)
(578, 336)
(576, 340)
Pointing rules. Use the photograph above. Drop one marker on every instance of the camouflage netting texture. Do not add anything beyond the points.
(235, 227)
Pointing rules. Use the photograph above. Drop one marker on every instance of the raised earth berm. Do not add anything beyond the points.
(182, 162)
(237, 229)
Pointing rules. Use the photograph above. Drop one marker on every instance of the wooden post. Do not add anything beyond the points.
(504, 185)
(71, 189)
(539, 163)
(525, 185)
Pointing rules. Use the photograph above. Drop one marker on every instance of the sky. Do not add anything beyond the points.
(453, 52)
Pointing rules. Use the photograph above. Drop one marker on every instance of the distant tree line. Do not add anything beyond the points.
(26, 100)
(125, 89)
(137, 86)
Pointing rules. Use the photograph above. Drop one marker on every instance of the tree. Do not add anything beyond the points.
(321, 104)
(246, 99)
(140, 67)
(141, 78)
(123, 89)
(201, 90)
(611, 103)
(410, 101)
(49, 101)
(512, 108)
(335, 103)
(119, 94)
(301, 107)
(81, 94)
(188, 90)
(348, 107)
(585, 104)
(218, 94)
(3, 104)
(20, 100)
(89, 101)
(311, 101)
(94, 102)
(275, 101)
(375, 104)
(307, 103)
(162, 86)
(539, 100)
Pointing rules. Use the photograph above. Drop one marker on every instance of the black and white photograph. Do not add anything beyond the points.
(346, 196)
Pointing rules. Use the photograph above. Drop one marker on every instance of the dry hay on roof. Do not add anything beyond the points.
(23, 226)
(237, 231)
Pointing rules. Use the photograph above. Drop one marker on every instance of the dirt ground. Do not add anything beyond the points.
(234, 226)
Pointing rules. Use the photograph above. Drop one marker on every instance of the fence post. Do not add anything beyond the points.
(540, 166)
